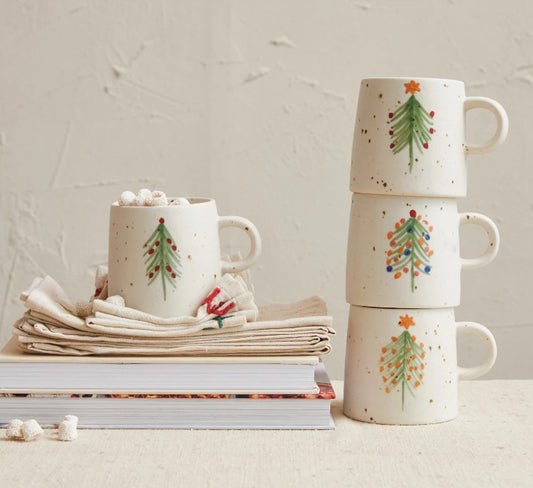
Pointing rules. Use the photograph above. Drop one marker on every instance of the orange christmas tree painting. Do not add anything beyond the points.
(411, 124)
(401, 363)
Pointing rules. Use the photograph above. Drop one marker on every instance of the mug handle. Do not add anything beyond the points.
(490, 348)
(255, 243)
(502, 122)
(494, 239)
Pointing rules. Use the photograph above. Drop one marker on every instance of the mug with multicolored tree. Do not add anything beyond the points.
(404, 252)
(410, 139)
(401, 364)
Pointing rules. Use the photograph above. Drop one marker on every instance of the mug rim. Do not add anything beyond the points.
(432, 199)
(404, 309)
(424, 79)
(192, 200)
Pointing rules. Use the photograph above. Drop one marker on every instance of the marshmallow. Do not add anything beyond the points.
(31, 430)
(14, 430)
(127, 198)
(71, 418)
(144, 197)
(159, 199)
(180, 201)
(67, 430)
(139, 201)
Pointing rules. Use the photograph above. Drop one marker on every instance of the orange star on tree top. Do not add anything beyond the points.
(406, 321)
(412, 87)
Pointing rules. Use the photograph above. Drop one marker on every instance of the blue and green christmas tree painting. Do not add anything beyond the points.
(410, 253)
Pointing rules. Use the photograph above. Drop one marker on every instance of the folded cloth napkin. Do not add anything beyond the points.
(228, 322)
(47, 302)
(302, 334)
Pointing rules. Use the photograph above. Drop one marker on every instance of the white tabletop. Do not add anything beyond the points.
(489, 444)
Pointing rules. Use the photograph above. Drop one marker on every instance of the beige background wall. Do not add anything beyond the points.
(253, 103)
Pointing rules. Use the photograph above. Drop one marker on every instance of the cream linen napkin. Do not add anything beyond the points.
(227, 323)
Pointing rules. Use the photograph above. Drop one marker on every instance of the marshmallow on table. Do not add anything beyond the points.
(71, 418)
(31, 430)
(14, 429)
(67, 430)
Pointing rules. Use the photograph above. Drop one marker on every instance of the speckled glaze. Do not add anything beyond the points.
(437, 163)
(404, 251)
(419, 386)
(192, 255)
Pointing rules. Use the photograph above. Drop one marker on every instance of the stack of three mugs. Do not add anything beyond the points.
(403, 259)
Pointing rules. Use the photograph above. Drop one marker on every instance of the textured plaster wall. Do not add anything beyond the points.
(253, 103)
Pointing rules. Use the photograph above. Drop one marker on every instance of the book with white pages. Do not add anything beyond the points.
(21, 372)
(179, 411)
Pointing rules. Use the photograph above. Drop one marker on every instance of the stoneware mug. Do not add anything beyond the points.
(165, 260)
(404, 251)
(401, 364)
(410, 136)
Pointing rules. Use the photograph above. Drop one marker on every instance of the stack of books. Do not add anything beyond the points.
(288, 392)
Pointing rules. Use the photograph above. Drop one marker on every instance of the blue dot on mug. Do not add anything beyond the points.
(407, 252)
(427, 269)
(427, 237)
(409, 229)
(389, 269)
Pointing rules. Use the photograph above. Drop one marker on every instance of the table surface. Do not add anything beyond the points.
(489, 444)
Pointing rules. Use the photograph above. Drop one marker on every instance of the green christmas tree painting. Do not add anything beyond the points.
(410, 253)
(411, 125)
(402, 361)
(162, 257)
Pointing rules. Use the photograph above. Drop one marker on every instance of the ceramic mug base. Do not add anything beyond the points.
(369, 419)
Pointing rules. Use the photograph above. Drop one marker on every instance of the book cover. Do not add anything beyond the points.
(31, 373)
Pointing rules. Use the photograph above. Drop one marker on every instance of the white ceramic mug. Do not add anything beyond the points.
(401, 364)
(165, 260)
(410, 136)
(404, 251)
